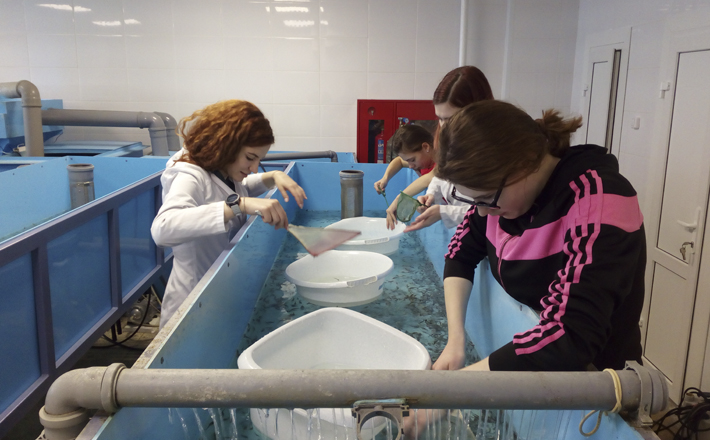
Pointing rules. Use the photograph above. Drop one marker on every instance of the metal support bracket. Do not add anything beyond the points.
(393, 409)
(654, 395)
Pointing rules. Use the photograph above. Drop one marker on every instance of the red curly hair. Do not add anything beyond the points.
(217, 133)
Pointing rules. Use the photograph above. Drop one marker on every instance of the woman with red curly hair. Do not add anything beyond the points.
(209, 188)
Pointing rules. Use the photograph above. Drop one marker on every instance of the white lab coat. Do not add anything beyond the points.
(191, 221)
(452, 211)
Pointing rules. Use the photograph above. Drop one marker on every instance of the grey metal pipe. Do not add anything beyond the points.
(302, 155)
(112, 118)
(171, 127)
(31, 113)
(114, 386)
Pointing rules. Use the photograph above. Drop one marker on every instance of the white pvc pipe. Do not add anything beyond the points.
(31, 114)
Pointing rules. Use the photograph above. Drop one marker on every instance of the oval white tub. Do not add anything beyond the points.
(374, 235)
(340, 278)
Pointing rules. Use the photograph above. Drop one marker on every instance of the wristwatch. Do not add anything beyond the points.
(233, 202)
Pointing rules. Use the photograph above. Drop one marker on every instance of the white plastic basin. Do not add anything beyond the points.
(340, 278)
(374, 235)
(329, 338)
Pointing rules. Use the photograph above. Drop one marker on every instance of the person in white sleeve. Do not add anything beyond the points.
(209, 189)
(438, 205)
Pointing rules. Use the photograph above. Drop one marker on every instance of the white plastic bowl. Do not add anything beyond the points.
(329, 338)
(340, 278)
(374, 235)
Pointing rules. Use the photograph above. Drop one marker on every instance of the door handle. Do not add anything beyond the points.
(691, 227)
(683, 248)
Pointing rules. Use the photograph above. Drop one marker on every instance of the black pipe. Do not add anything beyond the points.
(302, 155)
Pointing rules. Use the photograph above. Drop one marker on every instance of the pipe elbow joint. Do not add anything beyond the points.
(150, 121)
(29, 94)
(91, 388)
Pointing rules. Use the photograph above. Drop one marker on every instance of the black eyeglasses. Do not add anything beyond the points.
(492, 205)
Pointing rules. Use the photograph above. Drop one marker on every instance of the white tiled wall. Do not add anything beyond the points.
(305, 63)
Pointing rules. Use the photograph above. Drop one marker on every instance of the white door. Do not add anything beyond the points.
(601, 95)
(604, 89)
(676, 238)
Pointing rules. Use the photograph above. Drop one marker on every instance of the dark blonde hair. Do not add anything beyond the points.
(409, 138)
(488, 141)
(217, 133)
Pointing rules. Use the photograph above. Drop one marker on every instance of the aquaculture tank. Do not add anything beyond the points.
(245, 295)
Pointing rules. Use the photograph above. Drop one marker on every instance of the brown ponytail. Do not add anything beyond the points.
(558, 130)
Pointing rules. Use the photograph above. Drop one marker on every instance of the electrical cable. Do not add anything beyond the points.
(689, 416)
(616, 409)
(122, 343)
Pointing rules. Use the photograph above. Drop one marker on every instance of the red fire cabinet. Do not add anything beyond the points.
(378, 119)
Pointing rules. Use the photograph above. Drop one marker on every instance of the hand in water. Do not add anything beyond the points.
(427, 218)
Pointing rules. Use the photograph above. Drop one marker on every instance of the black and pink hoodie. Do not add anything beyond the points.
(578, 257)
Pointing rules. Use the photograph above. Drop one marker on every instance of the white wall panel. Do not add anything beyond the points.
(201, 18)
(12, 17)
(42, 17)
(296, 88)
(199, 51)
(394, 54)
(343, 54)
(435, 19)
(107, 85)
(57, 82)
(52, 50)
(390, 85)
(13, 50)
(248, 53)
(101, 51)
(150, 51)
(392, 17)
(437, 54)
(141, 17)
(343, 18)
(99, 17)
(425, 83)
(294, 54)
(257, 87)
(201, 85)
(338, 120)
(247, 19)
(295, 19)
(296, 120)
(342, 87)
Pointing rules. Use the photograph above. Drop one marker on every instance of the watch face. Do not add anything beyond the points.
(233, 199)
